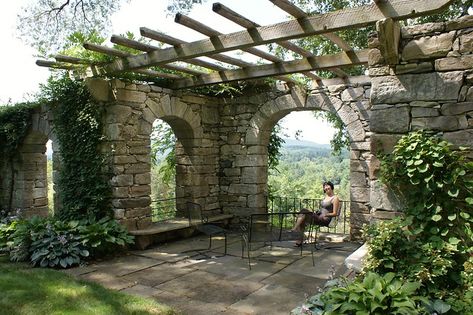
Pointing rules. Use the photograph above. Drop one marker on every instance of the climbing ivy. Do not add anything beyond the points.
(15, 121)
(14, 124)
(83, 185)
(433, 242)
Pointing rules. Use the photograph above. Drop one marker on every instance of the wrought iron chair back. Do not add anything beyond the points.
(198, 220)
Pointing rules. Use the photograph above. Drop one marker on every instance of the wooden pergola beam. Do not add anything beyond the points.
(118, 53)
(249, 24)
(204, 29)
(146, 32)
(317, 25)
(54, 65)
(126, 42)
(296, 12)
(122, 54)
(210, 32)
(164, 38)
(301, 65)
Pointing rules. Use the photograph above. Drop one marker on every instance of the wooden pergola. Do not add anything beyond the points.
(228, 69)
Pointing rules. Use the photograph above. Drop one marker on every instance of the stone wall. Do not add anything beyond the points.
(222, 143)
(420, 78)
(247, 123)
(428, 85)
(23, 183)
(130, 112)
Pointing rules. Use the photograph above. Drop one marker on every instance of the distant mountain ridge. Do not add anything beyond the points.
(303, 143)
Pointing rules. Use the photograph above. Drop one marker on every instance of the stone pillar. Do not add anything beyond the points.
(429, 88)
(30, 191)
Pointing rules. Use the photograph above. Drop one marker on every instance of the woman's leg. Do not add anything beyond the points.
(301, 220)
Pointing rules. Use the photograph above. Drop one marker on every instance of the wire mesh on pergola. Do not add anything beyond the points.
(227, 68)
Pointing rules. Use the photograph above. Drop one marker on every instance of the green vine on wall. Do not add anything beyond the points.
(83, 186)
(14, 124)
(15, 121)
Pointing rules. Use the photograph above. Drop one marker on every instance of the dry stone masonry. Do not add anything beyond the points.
(420, 77)
(429, 86)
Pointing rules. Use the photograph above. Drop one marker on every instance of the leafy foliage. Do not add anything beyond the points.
(163, 152)
(84, 188)
(274, 147)
(45, 25)
(48, 242)
(372, 294)
(433, 242)
(14, 124)
(340, 140)
(302, 170)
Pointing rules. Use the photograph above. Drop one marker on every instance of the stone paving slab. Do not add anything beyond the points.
(107, 280)
(157, 275)
(142, 290)
(189, 283)
(206, 282)
(326, 262)
(270, 299)
(232, 267)
(188, 306)
(121, 266)
(296, 282)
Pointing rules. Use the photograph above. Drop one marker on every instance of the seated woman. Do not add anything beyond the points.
(328, 209)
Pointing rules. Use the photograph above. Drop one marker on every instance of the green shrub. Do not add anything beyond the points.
(434, 239)
(374, 294)
(54, 243)
(58, 244)
(371, 294)
(104, 236)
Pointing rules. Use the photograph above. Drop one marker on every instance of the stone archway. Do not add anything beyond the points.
(25, 184)
(348, 103)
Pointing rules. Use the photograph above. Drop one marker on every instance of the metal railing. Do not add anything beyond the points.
(163, 209)
(166, 209)
(292, 204)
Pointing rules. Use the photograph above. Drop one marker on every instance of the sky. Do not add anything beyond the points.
(21, 77)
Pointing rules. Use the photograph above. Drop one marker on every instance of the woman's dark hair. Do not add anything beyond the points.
(328, 183)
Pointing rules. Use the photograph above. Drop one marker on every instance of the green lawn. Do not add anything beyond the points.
(25, 290)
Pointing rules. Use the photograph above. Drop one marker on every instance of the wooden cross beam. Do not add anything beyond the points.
(121, 54)
(220, 57)
(299, 14)
(248, 24)
(210, 32)
(301, 65)
(123, 41)
(316, 25)
(164, 38)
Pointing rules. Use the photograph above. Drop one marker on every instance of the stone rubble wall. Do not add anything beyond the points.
(430, 88)
(131, 110)
(247, 123)
(27, 172)
(421, 79)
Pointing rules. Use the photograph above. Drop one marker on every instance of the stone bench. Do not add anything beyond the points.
(146, 237)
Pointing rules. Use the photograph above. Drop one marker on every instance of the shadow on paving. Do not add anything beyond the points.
(194, 280)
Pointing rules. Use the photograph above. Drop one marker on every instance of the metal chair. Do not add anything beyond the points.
(200, 222)
(314, 229)
(262, 229)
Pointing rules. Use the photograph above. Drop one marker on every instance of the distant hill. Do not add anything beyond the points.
(298, 149)
(303, 143)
